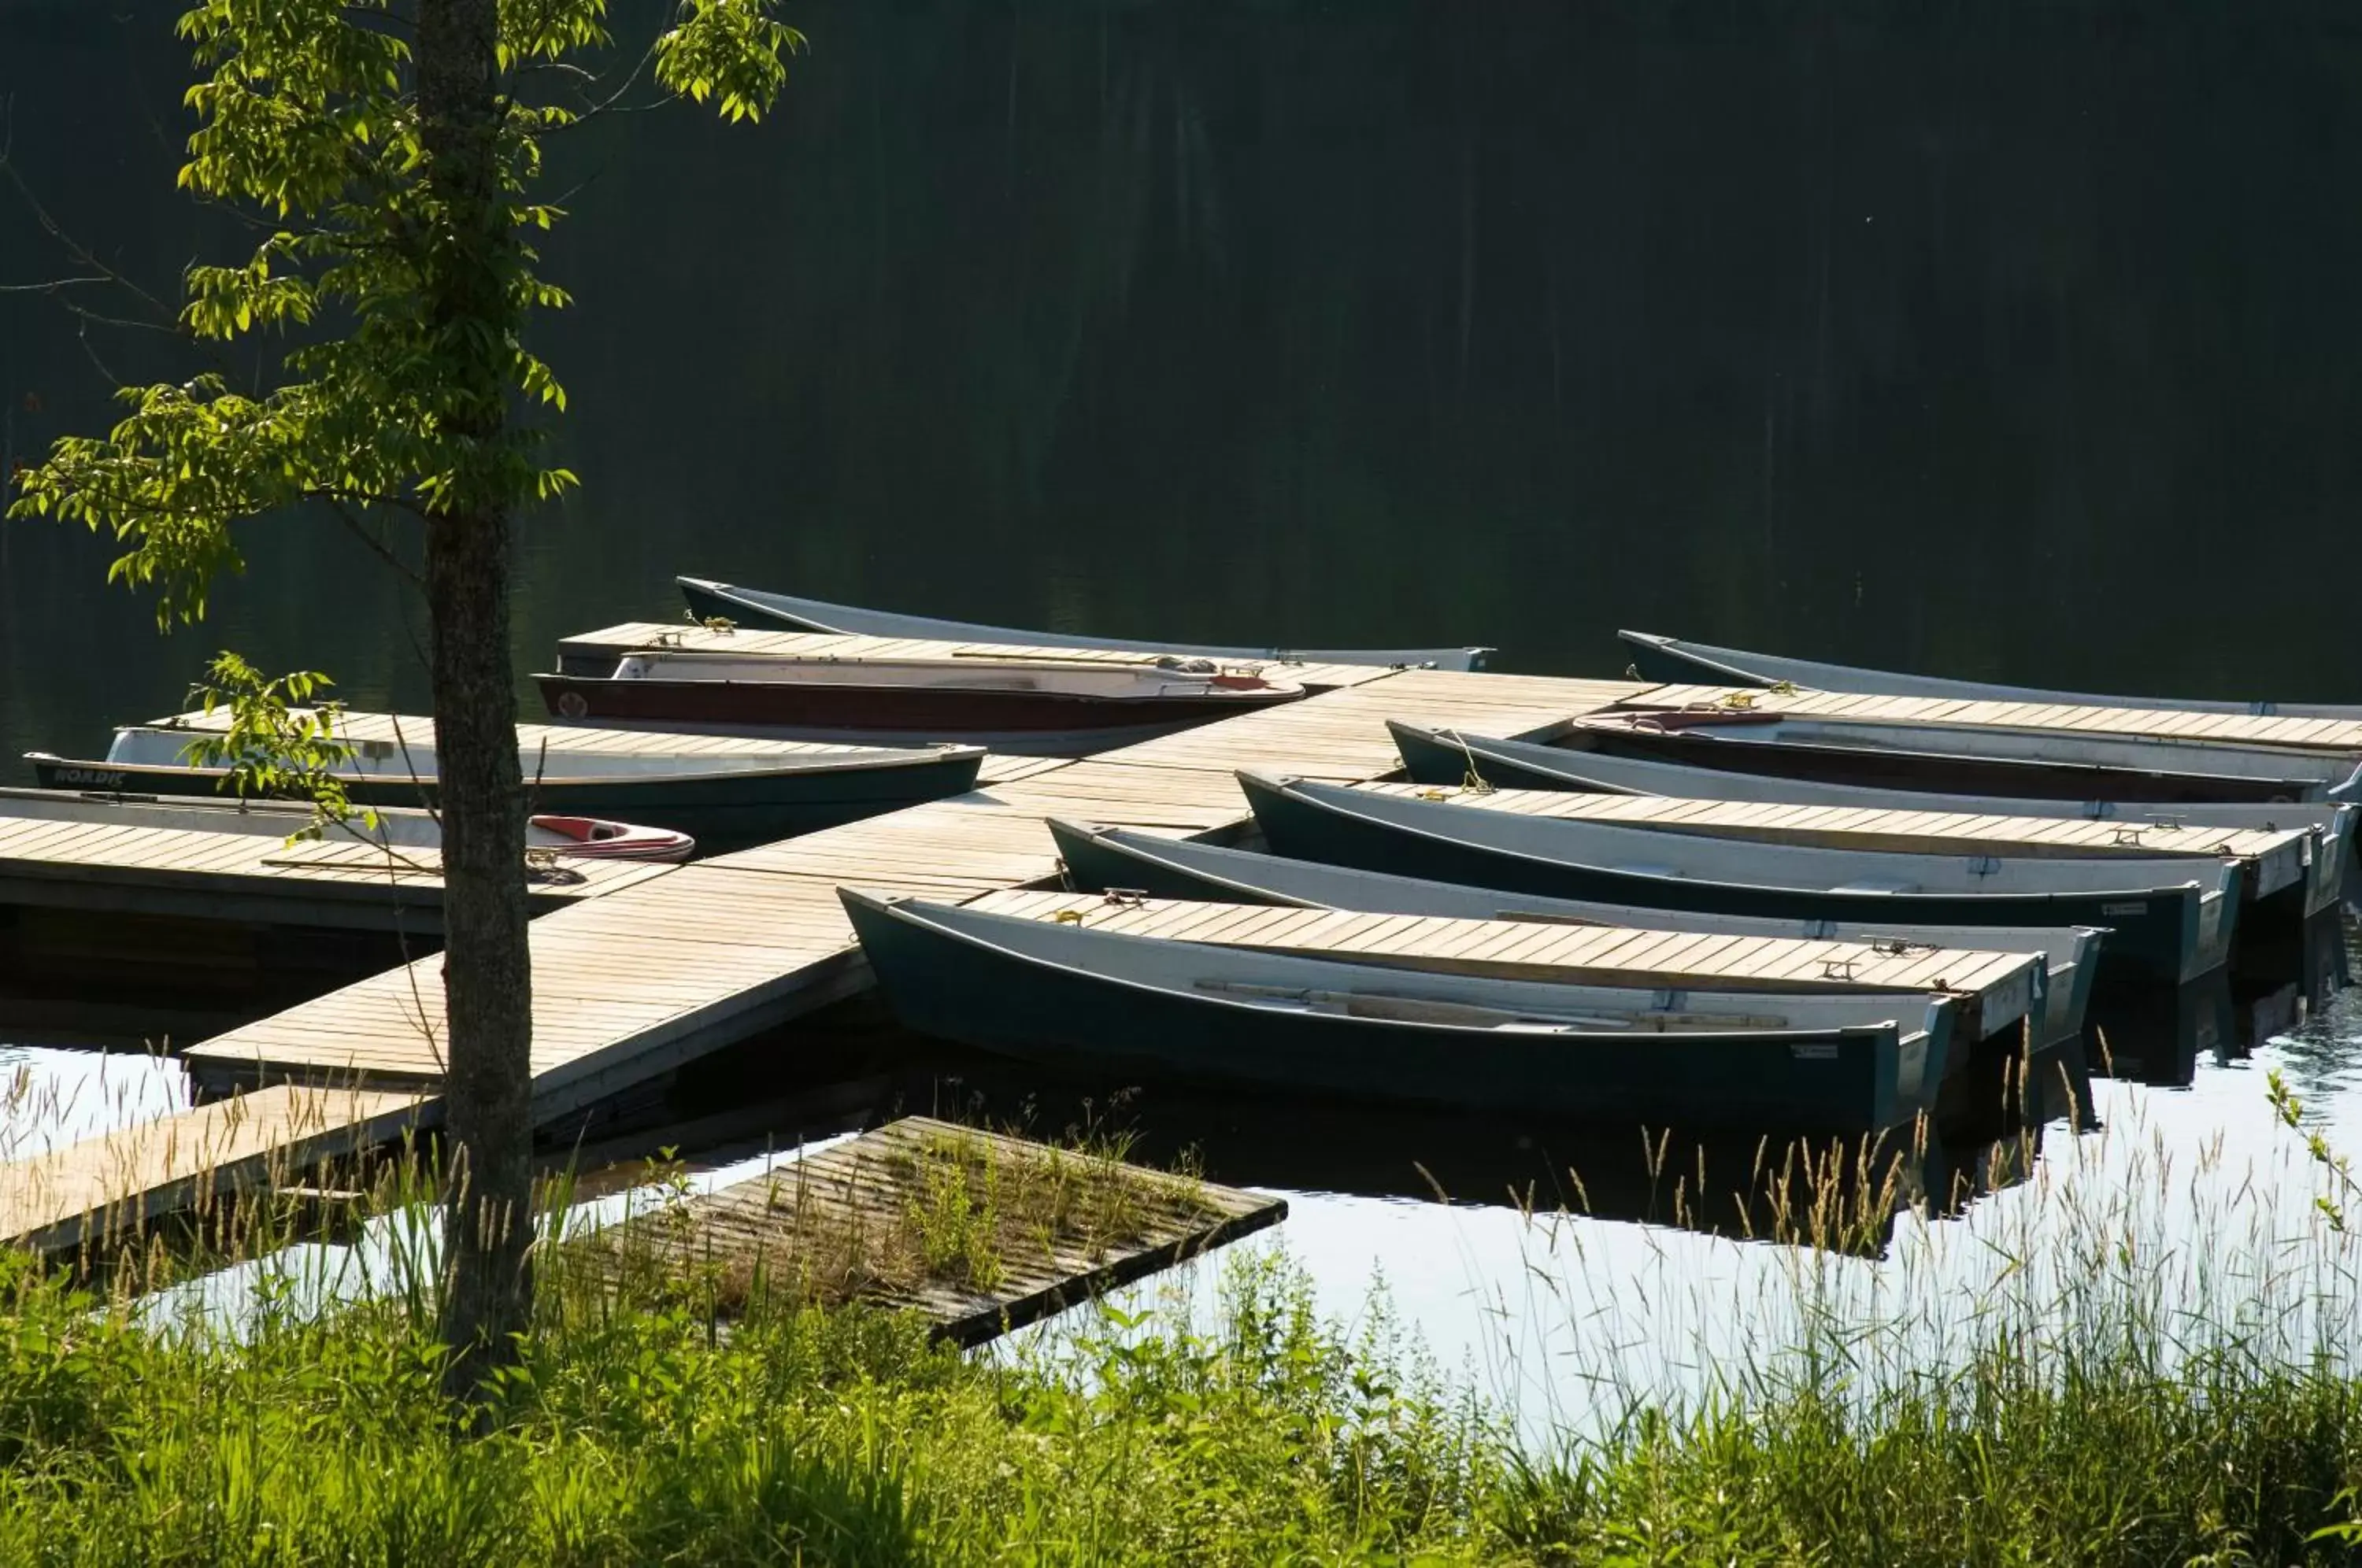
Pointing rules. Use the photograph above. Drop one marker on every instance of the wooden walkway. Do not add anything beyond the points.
(102, 1189)
(978, 1232)
(707, 955)
(1996, 990)
(203, 861)
(687, 960)
(53, 858)
(2279, 859)
(2148, 724)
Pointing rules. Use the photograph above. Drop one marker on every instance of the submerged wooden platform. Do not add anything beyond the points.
(2280, 858)
(976, 1232)
(1996, 990)
(2149, 723)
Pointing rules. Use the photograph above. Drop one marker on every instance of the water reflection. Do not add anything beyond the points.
(1559, 1260)
(51, 1097)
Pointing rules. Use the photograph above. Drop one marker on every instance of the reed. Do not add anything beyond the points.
(2155, 1368)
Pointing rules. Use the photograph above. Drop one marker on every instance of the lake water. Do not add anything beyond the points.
(1943, 338)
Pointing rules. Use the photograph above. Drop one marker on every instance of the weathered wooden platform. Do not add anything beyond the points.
(2153, 723)
(2279, 859)
(712, 953)
(1996, 990)
(201, 861)
(976, 1232)
(631, 983)
(106, 1188)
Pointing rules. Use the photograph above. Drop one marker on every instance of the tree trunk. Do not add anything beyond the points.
(486, 969)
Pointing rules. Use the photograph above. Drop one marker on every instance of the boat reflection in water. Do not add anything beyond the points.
(1843, 1194)
(854, 1067)
(2157, 1037)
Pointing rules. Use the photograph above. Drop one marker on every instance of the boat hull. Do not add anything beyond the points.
(721, 811)
(1072, 1019)
(2154, 935)
(1432, 756)
(758, 607)
(1927, 767)
(1030, 723)
(1675, 662)
(1099, 860)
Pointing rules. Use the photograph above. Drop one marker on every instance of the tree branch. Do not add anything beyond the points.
(50, 285)
(82, 255)
(341, 505)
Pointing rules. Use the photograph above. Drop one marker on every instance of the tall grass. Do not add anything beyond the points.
(2140, 1355)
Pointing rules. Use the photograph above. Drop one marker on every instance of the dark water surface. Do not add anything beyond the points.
(2012, 340)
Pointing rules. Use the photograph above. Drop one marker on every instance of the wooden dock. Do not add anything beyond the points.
(687, 960)
(642, 969)
(1996, 990)
(669, 964)
(664, 965)
(978, 1232)
(218, 868)
(634, 983)
(104, 1189)
(2279, 859)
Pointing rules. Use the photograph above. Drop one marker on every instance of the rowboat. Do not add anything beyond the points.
(1046, 706)
(2276, 864)
(2167, 919)
(395, 830)
(1432, 755)
(1977, 759)
(1070, 997)
(709, 600)
(1994, 994)
(1674, 659)
(1104, 859)
(724, 799)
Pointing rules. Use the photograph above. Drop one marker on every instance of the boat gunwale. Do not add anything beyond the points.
(2135, 890)
(1715, 659)
(889, 760)
(1436, 657)
(898, 907)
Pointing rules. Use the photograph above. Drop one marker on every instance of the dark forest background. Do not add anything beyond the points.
(2000, 338)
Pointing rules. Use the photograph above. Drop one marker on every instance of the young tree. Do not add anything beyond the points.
(389, 149)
